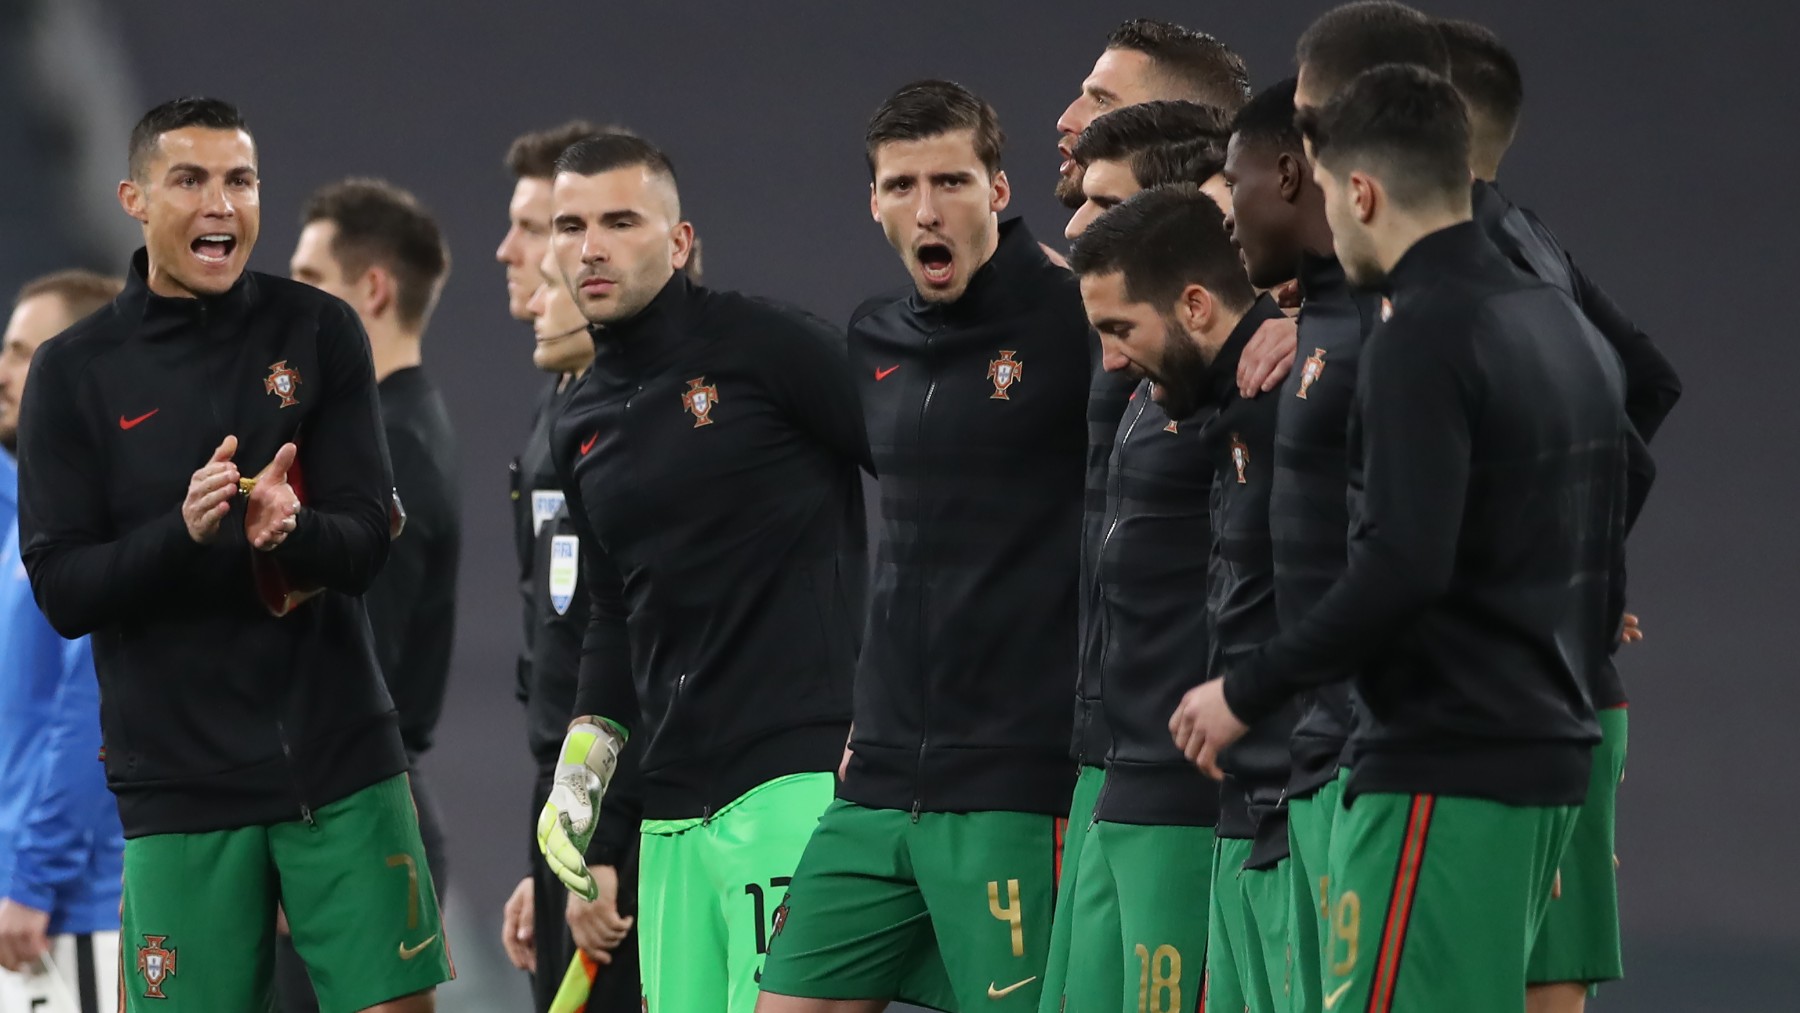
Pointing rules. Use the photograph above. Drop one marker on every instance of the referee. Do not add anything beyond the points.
(250, 741)
(370, 244)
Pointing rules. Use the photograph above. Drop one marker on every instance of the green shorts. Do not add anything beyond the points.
(1579, 941)
(1081, 821)
(1435, 900)
(199, 915)
(946, 910)
(1310, 820)
(712, 894)
(1138, 936)
(1247, 943)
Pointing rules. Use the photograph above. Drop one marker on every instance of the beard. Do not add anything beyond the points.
(1068, 190)
(1181, 376)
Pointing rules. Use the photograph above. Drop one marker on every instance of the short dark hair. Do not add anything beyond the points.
(1163, 240)
(81, 291)
(929, 108)
(1348, 40)
(1405, 125)
(1268, 119)
(1154, 138)
(533, 155)
(614, 149)
(380, 224)
(1487, 75)
(1210, 71)
(187, 111)
(1191, 162)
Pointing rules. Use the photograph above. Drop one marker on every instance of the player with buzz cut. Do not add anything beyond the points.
(710, 465)
(251, 744)
(1578, 947)
(1278, 220)
(1472, 608)
(932, 878)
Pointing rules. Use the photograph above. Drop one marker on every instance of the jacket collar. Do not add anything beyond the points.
(1221, 376)
(652, 337)
(1321, 277)
(168, 316)
(1454, 250)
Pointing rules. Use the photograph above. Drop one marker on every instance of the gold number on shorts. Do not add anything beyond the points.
(1346, 925)
(412, 887)
(1009, 913)
(1159, 979)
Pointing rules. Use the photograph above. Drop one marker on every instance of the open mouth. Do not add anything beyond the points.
(214, 248)
(936, 263)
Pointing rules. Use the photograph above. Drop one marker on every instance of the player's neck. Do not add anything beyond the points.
(393, 352)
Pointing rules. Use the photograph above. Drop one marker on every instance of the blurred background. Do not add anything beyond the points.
(1657, 142)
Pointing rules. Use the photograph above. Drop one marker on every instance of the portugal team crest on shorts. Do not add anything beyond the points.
(156, 964)
(1240, 458)
(1310, 373)
(1004, 371)
(699, 399)
(779, 920)
(284, 381)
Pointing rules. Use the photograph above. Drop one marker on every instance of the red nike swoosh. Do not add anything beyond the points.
(125, 423)
(588, 444)
(882, 374)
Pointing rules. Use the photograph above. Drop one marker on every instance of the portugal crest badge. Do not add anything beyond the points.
(156, 964)
(1004, 372)
(283, 381)
(699, 399)
(1310, 373)
(1240, 459)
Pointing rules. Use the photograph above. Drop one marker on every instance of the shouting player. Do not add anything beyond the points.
(249, 739)
(933, 876)
(710, 462)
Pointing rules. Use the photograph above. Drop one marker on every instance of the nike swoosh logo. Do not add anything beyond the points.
(1001, 993)
(882, 374)
(125, 423)
(409, 952)
(588, 444)
(1336, 994)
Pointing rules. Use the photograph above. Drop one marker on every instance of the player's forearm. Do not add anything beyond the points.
(337, 546)
(604, 686)
(83, 587)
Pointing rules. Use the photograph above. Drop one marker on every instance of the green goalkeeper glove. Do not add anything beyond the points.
(590, 755)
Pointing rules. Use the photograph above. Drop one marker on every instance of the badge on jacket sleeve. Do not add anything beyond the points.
(565, 556)
(544, 505)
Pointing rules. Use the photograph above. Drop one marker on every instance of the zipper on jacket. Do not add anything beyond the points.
(924, 637)
(1115, 496)
(299, 793)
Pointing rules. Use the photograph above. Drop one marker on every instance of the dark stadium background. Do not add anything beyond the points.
(1655, 142)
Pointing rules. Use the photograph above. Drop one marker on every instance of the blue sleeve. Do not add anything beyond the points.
(70, 812)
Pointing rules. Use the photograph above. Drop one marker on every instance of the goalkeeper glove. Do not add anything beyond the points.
(590, 755)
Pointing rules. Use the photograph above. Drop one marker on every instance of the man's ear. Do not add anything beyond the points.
(874, 206)
(1001, 194)
(377, 291)
(1194, 308)
(684, 245)
(1365, 196)
(132, 198)
(1290, 176)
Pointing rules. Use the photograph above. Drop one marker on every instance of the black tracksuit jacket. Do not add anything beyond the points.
(537, 495)
(1109, 398)
(412, 604)
(215, 714)
(1153, 558)
(710, 462)
(1237, 445)
(1308, 506)
(977, 419)
(1651, 384)
(1488, 448)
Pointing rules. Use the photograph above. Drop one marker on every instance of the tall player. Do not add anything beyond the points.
(710, 462)
(1472, 607)
(60, 840)
(1166, 289)
(1278, 221)
(255, 757)
(372, 245)
(1146, 145)
(932, 877)
(1579, 945)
